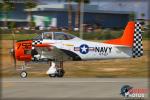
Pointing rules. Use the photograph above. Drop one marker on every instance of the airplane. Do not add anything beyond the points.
(57, 47)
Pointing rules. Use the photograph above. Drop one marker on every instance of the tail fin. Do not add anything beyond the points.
(127, 37)
(132, 37)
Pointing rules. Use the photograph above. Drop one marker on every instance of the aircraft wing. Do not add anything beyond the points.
(52, 53)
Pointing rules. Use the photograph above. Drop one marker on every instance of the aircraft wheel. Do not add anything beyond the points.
(23, 74)
(60, 73)
(52, 75)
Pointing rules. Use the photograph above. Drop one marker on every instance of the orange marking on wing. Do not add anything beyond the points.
(44, 45)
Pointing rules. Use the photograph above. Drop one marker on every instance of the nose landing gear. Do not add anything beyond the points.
(23, 73)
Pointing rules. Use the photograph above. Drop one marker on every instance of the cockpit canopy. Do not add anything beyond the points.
(55, 36)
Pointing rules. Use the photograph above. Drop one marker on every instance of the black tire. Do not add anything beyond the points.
(23, 74)
(52, 75)
(60, 73)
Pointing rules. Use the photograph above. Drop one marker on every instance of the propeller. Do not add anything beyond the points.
(13, 50)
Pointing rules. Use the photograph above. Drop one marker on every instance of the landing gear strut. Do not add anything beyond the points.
(56, 69)
(23, 73)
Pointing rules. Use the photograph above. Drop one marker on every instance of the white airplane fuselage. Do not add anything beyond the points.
(88, 50)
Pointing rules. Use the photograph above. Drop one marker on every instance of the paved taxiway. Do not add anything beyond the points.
(68, 87)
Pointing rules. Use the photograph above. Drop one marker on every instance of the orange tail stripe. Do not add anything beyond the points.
(127, 37)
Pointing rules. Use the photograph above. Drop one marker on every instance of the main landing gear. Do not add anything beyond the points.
(56, 69)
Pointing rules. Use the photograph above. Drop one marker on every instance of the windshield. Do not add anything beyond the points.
(47, 35)
(55, 36)
(62, 36)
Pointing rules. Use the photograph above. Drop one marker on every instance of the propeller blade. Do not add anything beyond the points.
(14, 58)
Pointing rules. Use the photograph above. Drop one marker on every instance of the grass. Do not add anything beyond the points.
(17, 36)
(103, 34)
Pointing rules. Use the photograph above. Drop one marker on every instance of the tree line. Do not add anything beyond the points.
(7, 5)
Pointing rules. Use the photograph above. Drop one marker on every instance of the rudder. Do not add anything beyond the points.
(137, 50)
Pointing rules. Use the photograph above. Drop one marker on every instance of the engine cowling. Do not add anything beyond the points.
(23, 50)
